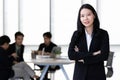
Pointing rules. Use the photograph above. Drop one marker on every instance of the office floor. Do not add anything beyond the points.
(70, 67)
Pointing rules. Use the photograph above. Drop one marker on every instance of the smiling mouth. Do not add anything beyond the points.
(86, 22)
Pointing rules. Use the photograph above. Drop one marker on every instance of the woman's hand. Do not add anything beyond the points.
(81, 60)
(76, 49)
(96, 53)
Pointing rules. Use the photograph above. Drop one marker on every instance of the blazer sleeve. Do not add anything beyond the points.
(71, 52)
(104, 51)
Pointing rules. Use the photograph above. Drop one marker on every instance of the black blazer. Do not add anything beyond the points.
(5, 65)
(93, 66)
(12, 49)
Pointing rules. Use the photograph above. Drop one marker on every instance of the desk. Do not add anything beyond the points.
(51, 61)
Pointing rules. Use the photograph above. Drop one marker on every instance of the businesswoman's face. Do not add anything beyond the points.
(87, 17)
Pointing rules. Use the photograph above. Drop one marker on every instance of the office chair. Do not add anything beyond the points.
(109, 65)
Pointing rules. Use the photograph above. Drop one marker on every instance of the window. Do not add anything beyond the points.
(109, 16)
(1, 17)
(34, 20)
(64, 20)
(10, 18)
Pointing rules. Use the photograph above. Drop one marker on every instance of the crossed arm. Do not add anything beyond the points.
(94, 53)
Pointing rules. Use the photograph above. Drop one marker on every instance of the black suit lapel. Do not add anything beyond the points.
(84, 42)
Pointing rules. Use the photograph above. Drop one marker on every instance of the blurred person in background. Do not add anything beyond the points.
(5, 61)
(21, 68)
(47, 47)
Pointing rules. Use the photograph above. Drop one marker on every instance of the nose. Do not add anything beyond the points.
(85, 17)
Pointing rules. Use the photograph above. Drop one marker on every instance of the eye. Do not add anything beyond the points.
(89, 14)
(82, 15)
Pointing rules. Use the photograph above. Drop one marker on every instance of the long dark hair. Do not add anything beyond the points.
(96, 23)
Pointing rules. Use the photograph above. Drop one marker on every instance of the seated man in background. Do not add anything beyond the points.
(19, 66)
(5, 62)
(47, 47)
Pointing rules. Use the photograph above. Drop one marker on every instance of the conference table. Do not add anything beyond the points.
(47, 61)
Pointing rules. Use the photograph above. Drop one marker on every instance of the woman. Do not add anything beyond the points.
(89, 46)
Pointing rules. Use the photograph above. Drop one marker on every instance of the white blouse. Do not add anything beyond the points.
(89, 39)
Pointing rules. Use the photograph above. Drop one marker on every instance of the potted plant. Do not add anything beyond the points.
(56, 51)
